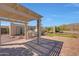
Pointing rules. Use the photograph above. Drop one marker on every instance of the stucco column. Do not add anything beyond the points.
(38, 30)
(10, 29)
(26, 30)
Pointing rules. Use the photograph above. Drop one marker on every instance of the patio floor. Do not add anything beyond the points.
(19, 51)
(44, 48)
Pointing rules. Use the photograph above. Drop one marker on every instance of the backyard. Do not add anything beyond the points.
(20, 37)
(70, 42)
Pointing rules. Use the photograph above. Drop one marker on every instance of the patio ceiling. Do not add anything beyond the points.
(17, 12)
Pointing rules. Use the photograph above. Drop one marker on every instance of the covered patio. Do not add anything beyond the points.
(19, 14)
(24, 47)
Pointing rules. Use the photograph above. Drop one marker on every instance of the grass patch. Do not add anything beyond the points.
(64, 35)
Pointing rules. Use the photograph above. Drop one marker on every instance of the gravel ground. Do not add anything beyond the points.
(70, 45)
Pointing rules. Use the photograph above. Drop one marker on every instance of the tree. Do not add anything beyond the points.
(57, 29)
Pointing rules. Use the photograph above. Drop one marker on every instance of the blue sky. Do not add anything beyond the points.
(55, 14)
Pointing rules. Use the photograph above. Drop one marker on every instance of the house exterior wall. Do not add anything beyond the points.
(16, 29)
(12, 29)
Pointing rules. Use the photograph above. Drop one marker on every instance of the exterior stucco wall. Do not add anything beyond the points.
(16, 29)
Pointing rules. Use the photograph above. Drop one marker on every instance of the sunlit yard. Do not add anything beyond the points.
(64, 35)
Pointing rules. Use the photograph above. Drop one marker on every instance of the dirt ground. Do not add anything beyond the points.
(70, 45)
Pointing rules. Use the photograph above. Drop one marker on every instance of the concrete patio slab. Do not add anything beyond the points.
(45, 48)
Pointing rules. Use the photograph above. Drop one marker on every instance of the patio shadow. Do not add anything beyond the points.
(46, 47)
(19, 51)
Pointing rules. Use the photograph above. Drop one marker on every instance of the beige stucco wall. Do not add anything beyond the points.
(14, 29)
